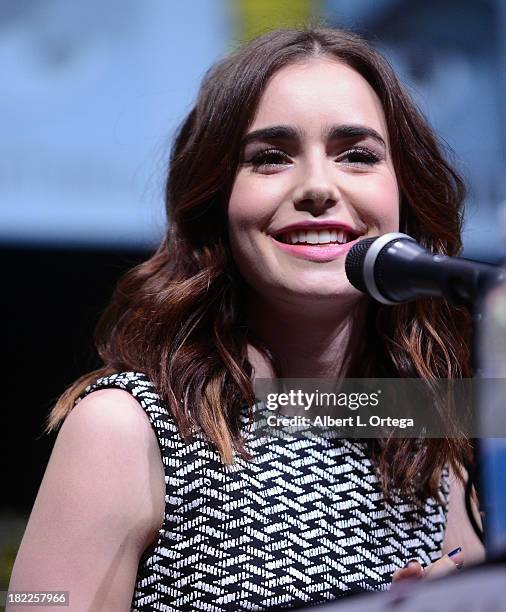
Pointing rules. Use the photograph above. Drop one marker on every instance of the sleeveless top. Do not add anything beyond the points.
(302, 522)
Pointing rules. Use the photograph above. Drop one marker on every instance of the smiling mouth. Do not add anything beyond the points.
(316, 237)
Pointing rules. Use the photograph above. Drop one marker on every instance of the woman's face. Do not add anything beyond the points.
(315, 175)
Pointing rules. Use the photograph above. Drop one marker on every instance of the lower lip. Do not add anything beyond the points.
(311, 252)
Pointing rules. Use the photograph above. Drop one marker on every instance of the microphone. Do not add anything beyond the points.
(394, 268)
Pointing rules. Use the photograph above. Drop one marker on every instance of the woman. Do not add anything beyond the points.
(156, 495)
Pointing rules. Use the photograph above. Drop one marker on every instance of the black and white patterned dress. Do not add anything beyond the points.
(302, 523)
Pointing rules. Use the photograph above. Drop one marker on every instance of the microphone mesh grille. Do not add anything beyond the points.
(354, 264)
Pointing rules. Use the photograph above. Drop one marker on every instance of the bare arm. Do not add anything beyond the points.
(99, 506)
(459, 531)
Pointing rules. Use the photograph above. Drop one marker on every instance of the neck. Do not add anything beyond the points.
(323, 346)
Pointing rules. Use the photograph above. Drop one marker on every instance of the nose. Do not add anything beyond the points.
(317, 189)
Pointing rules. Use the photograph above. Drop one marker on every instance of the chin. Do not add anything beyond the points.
(319, 295)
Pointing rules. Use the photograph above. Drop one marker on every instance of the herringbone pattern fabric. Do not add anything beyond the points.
(303, 522)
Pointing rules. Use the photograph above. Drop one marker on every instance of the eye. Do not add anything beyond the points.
(359, 156)
(269, 159)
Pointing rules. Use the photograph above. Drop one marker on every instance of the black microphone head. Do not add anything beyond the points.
(354, 263)
(364, 261)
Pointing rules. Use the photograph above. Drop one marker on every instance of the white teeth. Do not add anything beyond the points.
(312, 237)
(324, 237)
(316, 237)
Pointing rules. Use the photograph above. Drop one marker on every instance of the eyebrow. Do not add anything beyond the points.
(334, 132)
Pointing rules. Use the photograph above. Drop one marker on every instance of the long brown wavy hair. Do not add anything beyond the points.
(179, 317)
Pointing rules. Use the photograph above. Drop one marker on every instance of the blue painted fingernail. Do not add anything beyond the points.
(455, 551)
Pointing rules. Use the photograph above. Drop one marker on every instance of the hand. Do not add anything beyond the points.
(413, 570)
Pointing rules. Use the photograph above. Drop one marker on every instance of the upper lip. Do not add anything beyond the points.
(317, 226)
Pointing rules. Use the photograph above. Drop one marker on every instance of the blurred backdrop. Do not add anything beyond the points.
(91, 95)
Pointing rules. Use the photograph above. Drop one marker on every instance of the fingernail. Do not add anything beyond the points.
(412, 561)
(459, 563)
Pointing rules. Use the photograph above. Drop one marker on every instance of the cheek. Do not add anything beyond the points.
(248, 207)
(382, 199)
(243, 214)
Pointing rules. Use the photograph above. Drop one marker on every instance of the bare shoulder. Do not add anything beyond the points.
(109, 434)
(100, 504)
(109, 413)
(459, 531)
